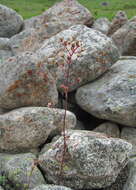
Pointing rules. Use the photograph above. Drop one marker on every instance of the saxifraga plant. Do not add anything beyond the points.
(72, 48)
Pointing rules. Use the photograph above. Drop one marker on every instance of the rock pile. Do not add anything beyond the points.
(101, 117)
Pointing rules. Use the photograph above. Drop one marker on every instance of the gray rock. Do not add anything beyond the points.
(113, 96)
(120, 181)
(51, 187)
(129, 134)
(125, 38)
(27, 128)
(10, 22)
(110, 129)
(4, 44)
(20, 169)
(102, 25)
(97, 54)
(60, 17)
(33, 22)
(70, 12)
(5, 49)
(118, 21)
(27, 40)
(26, 81)
(131, 182)
(92, 160)
(47, 146)
(1, 188)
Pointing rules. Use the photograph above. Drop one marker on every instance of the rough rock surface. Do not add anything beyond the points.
(1, 188)
(131, 182)
(27, 128)
(47, 146)
(60, 17)
(10, 22)
(102, 25)
(27, 40)
(125, 38)
(33, 22)
(113, 96)
(97, 54)
(51, 187)
(110, 129)
(5, 49)
(129, 134)
(17, 168)
(92, 160)
(26, 81)
(118, 21)
(120, 181)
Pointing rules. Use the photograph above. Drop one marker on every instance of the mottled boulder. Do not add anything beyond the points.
(131, 182)
(60, 17)
(97, 54)
(18, 167)
(71, 12)
(51, 187)
(5, 49)
(125, 38)
(33, 22)
(92, 160)
(110, 129)
(47, 146)
(120, 181)
(27, 128)
(26, 81)
(102, 25)
(27, 40)
(129, 134)
(118, 21)
(113, 96)
(10, 22)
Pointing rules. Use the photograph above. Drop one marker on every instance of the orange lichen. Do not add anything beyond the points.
(14, 86)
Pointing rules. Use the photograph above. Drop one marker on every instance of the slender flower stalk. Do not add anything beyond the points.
(71, 48)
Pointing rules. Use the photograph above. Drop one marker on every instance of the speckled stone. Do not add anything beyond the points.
(118, 21)
(129, 134)
(26, 129)
(27, 40)
(120, 181)
(17, 169)
(10, 22)
(113, 96)
(125, 40)
(102, 25)
(96, 57)
(131, 181)
(110, 129)
(92, 160)
(51, 187)
(59, 17)
(26, 81)
(5, 49)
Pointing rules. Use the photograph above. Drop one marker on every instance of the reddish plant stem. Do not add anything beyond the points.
(66, 89)
(64, 119)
